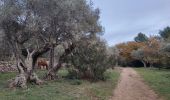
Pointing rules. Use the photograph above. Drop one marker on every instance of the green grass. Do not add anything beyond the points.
(62, 89)
(159, 80)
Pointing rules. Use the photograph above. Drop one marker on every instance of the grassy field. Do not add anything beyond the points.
(159, 80)
(62, 89)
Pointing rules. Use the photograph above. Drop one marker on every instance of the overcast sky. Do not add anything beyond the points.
(123, 19)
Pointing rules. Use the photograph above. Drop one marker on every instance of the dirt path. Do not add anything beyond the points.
(131, 87)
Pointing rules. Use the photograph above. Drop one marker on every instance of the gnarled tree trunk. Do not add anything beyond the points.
(26, 72)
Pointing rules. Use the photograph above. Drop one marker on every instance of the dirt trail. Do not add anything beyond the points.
(131, 87)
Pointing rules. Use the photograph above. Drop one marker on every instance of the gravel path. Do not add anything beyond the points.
(131, 87)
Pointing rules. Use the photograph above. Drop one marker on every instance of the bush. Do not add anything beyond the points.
(90, 59)
(73, 74)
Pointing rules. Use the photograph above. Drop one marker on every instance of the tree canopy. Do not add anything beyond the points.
(141, 37)
(165, 33)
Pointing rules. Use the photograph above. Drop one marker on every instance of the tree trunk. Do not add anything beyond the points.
(25, 62)
(51, 65)
(26, 72)
(144, 64)
(51, 74)
(116, 59)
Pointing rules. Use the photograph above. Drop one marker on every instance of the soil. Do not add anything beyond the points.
(132, 87)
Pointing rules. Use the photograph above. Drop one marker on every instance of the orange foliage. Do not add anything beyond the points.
(151, 50)
(125, 49)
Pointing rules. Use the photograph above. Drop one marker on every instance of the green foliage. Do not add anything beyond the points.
(141, 38)
(90, 59)
(165, 33)
(165, 51)
(73, 73)
(158, 79)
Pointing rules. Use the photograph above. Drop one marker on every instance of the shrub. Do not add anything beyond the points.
(90, 59)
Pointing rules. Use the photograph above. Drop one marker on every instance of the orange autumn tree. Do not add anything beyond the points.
(152, 51)
(125, 49)
(149, 53)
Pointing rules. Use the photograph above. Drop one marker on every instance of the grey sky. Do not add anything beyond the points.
(123, 19)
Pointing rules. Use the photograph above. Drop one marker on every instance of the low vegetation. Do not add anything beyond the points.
(62, 89)
(159, 80)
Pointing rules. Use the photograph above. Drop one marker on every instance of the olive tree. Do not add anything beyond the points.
(34, 27)
(64, 22)
(90, 59)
